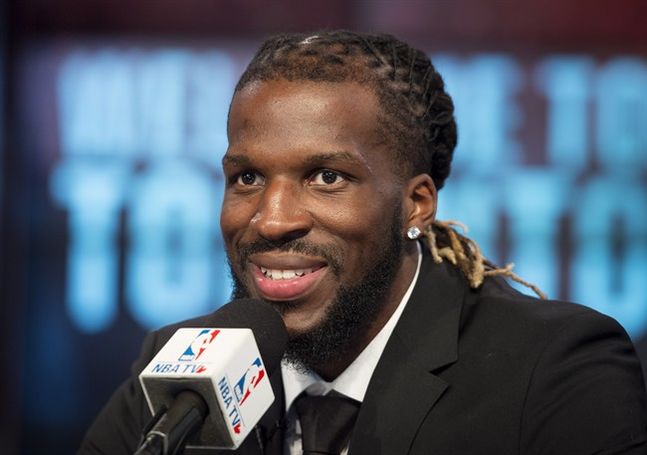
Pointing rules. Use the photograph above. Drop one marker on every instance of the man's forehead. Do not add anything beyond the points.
(276, 90)
(298, 111)
(243, 159)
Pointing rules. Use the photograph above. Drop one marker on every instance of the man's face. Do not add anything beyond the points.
(312, 211)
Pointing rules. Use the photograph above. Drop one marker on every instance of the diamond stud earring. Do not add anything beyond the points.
(413, 232)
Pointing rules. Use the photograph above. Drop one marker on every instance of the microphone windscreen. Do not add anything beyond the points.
(264, 321)
(221, 363)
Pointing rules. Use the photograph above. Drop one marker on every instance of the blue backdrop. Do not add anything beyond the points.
(124, 145)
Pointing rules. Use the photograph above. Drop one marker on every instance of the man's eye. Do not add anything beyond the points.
(326, 177)
(250, 178)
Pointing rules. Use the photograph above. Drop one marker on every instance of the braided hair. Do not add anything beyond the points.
(417, 113)
(416, 120)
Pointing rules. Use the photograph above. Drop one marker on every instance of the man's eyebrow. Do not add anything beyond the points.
(314, 159)
(236, 160)
(327, 157)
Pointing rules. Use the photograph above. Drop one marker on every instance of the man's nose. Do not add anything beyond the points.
(281, 214)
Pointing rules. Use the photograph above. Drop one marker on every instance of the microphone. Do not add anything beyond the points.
(209, 386)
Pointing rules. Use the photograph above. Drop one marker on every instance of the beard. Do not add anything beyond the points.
(356, 306)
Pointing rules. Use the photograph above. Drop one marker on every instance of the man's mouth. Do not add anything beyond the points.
(278, 274)
(286, 277)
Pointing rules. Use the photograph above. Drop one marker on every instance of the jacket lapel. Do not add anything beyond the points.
(404, 388)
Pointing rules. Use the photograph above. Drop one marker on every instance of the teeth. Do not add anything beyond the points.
(275, 274)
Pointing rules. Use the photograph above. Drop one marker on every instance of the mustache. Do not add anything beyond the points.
(333, 255)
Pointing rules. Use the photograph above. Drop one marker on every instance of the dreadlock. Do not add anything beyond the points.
(417, 120)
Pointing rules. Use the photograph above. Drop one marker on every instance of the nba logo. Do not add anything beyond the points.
(198, 345)
(249, 381)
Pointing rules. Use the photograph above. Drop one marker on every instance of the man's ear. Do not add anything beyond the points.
(421, 202)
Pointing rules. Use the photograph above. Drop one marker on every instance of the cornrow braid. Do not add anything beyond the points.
(417, 120)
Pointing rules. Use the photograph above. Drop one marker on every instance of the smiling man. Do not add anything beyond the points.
(399, 329)
(306, 175)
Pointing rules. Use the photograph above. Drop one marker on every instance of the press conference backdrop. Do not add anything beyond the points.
(124, 142)
(141, 132)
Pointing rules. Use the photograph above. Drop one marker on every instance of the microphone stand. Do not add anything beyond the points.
(167, 432)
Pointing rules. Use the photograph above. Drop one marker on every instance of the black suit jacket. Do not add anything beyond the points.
(487, 371)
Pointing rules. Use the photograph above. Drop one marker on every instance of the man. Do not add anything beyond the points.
(338, 143)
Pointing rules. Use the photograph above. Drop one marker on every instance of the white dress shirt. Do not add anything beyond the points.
(352, 382)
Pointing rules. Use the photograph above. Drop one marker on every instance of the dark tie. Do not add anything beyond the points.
(326, 422)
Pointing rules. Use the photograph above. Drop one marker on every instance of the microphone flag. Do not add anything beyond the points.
(222, 365)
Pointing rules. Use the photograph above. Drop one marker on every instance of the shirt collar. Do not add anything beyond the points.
(353, 381)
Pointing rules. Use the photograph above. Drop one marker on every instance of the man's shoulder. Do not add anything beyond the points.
(498, 310)
(530, 332)
(496, 317)
(495, 305)
(501, 303)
